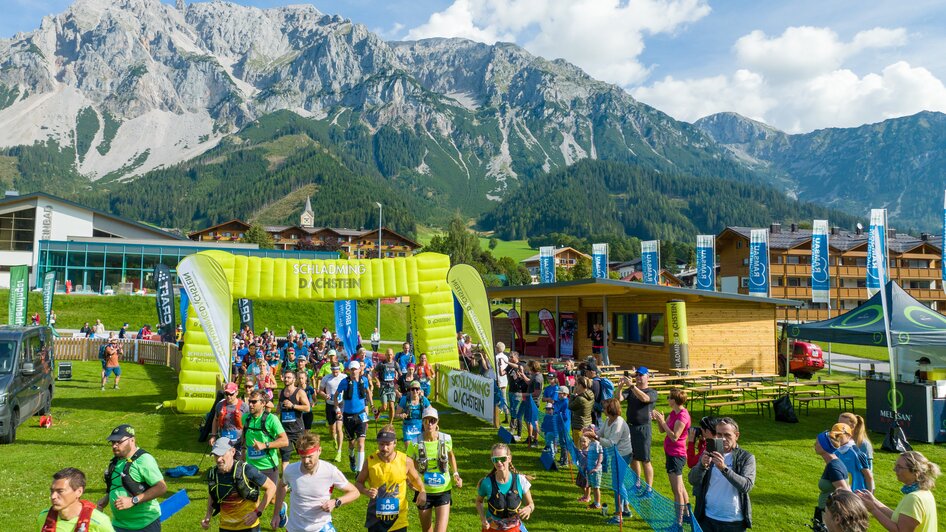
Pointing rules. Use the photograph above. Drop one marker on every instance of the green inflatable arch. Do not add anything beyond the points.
(214, 279)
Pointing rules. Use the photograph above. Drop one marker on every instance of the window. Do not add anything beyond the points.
(638, 328)
(792, 259)
(776, 281)
(797, 282)
(17, 229)
(744, 282)
(745, 261)
(738, 244)
(915, 263)
(533, 325)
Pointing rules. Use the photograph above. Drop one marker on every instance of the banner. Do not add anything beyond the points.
(677, 333)
(877, 233)
(546, 264)
(759, 262)
(469, 393)
(568, 326)
(245, 309)
(209, 293)
(49, 288)
(19, 288)
(548, 323)
(346, 324)
(650, 261)
(599, 261)
(706, 262)
(468, 288)
(457, 314)
(185, 302)
(164, 300)
(820, 271)
(516, 320)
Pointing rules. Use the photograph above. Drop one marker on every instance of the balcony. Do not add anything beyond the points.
(916, 273)
(926, 294)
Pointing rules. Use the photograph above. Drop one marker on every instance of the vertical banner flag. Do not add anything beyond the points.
(706, 262)
(650, 261)
(516, 320)
(19, 285)
(457, 314)
(468, 288)
(599, 261)
(820, 276)
(49, 288)
(548, 323)
(759, 262)
(164, 292)
(546, 264)
(185, 302)
(568, 326)
(209, 293)
(245, 309)
(346, 324)
(677, 331)
(876, 250)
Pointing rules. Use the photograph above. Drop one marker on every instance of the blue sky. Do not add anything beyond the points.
(798, 65)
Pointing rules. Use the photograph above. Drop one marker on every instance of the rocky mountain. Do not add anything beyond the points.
(895, 164)
(124, 87)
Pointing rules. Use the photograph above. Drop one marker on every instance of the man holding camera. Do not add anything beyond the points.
(722, 481)
(641, 400)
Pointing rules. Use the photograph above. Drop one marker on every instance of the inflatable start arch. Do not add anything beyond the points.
(214, 279)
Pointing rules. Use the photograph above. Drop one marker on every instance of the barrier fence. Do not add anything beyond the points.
(139, 351)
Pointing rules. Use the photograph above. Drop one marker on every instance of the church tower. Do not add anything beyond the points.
(307, 219)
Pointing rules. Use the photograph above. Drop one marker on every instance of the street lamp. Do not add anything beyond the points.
(380, 210)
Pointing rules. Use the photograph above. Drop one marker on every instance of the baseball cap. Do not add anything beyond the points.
(430, 412)
(826, 444)
(354, 364)
(643, 371)
(409, 366)
(552, 374)
(840, 429)
(415, 385)
(563, 389)
(221, 446)
(331, 352)
(231, 387)
(121, 432)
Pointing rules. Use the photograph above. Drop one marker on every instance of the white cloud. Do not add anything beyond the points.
(603, 37)
(693, 99)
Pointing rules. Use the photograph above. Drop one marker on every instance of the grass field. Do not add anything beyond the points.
(514, 249)
(866, 351)
(73, 310)
(783, 498)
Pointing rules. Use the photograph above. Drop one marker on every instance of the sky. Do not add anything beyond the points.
(797, 65)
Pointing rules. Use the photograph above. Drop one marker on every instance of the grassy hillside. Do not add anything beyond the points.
(73, 310)
(514, 249)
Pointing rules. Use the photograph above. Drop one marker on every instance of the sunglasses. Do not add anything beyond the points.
(253, 401)
(230, 394)
(499, 459)
(119, 442)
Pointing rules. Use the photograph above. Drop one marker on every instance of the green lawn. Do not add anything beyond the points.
(783, 498)
(73, 310)
(514, 249)
(866, 351)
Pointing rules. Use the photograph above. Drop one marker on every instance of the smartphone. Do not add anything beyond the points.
(627, 374)
(714, 445)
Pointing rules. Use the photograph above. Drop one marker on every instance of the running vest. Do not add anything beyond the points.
(132, 486)
(237, 415)
(291, 419)
(504, 506)
(362, 389)
(240, 482)
(441, 455)
(82, 524)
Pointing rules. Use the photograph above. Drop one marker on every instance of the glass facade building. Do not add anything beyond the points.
(101, 266)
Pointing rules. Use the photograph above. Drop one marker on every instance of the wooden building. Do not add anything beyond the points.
(736, 330)
(356, 243)
(914, 265)
(566, 258)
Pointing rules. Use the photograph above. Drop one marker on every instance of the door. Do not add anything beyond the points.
(30, 398)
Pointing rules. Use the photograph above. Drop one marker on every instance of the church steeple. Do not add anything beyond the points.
(307, 219)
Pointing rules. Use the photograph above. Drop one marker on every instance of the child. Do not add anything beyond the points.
(582, 452)
(563, 420)
(550, 428)
(594, 463)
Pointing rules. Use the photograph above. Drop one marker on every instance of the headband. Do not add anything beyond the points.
(310, 451)
(386, 437)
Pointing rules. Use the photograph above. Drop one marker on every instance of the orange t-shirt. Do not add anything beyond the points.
(111, 357)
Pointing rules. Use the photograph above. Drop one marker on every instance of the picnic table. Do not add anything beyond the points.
(702, 393)
(830, 391)
(689, 371)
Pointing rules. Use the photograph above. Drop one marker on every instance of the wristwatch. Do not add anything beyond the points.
(338, 503)
(135, 500)
(259, 513)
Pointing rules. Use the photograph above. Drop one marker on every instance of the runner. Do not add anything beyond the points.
(411, 409)
(234, 491)
(133, 482)
(500, 496)
(386, 374)
(384, 479)
(434, 459)
(425, 374)
(292, 404)
(68, 512)
(312, 482)
(228, 418)
(355, 395)
(302, 377)
(333, 414)
(263, 435)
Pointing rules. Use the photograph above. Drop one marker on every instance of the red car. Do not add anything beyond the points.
(806, 359)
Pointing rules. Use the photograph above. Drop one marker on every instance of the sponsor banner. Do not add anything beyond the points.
(546, 264)
(245, 309)
(706, 262)
(516, 321)
(568, 326)
(548, 323)
(876, 251)
(677, 332)
(469, 393)
(468, 289)
(820, 274)
(759, 262)
(206, 284)
(185, 302)
(458, 313)
(650, 261)
(599, 261)
(19, 286)
(346, 324)
(49, 288)
(164, 300)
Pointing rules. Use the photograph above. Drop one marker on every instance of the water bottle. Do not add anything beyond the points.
(604, 509)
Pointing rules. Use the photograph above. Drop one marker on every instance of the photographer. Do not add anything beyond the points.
(518, 390)
(727, 473)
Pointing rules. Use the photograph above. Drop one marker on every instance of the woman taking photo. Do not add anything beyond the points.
(434, 458)
(503, 499)
(696, 441)
(676, 426)
(614, 432)
(917, 509)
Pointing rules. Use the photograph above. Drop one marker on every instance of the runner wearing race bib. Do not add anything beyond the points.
(411, 409)
(292, 404)
(384, 479)
(354, 394)
(386, 376)
(263, 435)
(433, 456)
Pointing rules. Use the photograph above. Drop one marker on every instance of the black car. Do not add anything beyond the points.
(26, 376)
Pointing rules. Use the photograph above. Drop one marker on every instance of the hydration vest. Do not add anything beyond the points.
(504, 506)
(240, 482)
(83, 524)
(441, 455)
(237, 414)
(132, 486)
(362, 389)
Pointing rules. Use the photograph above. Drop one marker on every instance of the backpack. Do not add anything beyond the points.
(441, 455)
(132, 486)
(262, 427)
(240, 482)
(784, 411)
(102, 352)
(607, 389)
(83, 523)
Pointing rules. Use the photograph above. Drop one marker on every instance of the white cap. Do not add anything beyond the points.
(430, 412)
(354, 364)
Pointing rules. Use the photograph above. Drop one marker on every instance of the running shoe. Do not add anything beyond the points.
(594, 506)
(626, 514)
(351, 459)
(338, 456)
(615, 520)
(282, 515)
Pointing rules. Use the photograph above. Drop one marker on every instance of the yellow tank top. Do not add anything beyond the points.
(389, 508)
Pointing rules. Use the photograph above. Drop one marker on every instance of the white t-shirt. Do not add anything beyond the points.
(329, 385)
(501, 362)
(308, 494)
(722, 498)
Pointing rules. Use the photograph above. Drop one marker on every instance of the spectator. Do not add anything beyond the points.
(917, 509)
(86, 330)
(614, 432)
(833, 478)
(855, 461)
(859, 429)
(641, 400)
(111, 364)
(676, 427)
(500, 365)
(123, 332)
(844, 512)
(729, 477)
(696, 441)
(580, 404)
(593, 458)
(375, 340)
(68, 511)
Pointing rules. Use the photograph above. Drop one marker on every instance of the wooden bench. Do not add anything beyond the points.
(762, 405)
(843, 401)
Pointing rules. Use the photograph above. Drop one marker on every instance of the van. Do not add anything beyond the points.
(26, 376)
